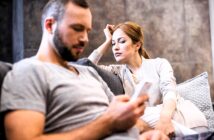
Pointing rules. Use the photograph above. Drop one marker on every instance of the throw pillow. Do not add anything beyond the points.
(197, 90)
(113, 81)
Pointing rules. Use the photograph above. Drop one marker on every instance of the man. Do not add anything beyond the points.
(47, 98)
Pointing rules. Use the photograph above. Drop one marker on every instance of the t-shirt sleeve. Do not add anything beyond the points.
(24, 88)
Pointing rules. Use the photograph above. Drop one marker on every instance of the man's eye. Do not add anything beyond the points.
(78, 28)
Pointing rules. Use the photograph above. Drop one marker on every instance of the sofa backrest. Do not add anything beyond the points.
(4, 68)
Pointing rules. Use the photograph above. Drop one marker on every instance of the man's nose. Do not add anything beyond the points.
(84, 37)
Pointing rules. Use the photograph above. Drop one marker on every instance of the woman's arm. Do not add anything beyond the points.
(168, 90)
(164, 123)
(96, 55)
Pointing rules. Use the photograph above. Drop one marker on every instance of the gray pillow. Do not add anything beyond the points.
(113, 81)
(197, 90)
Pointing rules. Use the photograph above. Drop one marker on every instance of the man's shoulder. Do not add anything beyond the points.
(27, 63)
(25, 70)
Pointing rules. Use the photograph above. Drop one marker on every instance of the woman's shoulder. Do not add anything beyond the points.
(157, 60)
(158, 63)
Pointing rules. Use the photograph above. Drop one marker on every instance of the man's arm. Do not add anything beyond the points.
(29, 125)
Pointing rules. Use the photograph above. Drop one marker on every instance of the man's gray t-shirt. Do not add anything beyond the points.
(68, 100)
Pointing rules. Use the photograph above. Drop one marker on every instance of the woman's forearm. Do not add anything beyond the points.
(96, 55)
(168, 109)
(104, 47)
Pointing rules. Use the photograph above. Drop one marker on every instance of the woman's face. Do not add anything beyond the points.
(123, 47)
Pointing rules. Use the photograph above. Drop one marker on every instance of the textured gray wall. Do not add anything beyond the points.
(32, 26)
(178, 30)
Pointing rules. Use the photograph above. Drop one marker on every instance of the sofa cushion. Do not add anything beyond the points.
(197, 90)
(113, 81)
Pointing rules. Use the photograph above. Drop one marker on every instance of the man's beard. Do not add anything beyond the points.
(63, 49)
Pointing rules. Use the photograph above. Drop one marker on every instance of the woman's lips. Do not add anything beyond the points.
(117, 54)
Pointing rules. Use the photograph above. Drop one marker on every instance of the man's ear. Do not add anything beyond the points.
(50, 25)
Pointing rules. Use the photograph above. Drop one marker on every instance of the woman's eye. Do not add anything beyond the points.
(122, 41)
(113, 43)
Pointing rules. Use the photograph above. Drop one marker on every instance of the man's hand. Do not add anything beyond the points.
(124, 113)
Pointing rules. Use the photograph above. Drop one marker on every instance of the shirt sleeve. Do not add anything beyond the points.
(24, 88)
(167, 80)
(95, 57)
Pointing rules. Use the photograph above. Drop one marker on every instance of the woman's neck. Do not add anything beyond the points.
(135, 64)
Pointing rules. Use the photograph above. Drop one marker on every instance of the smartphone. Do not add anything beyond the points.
(141, 89)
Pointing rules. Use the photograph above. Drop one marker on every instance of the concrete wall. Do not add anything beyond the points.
(178, 30)
(32, 25)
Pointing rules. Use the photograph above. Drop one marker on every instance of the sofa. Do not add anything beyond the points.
(196, 90)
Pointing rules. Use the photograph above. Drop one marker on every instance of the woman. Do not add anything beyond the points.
(167, 111)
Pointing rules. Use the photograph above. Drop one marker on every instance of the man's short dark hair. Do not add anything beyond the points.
(56, 8)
